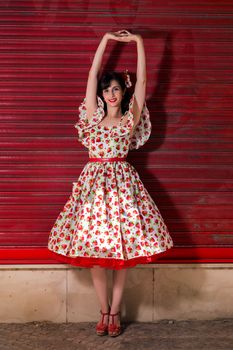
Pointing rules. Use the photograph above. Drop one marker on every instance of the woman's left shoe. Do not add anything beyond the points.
(114, 329)
(102, 328)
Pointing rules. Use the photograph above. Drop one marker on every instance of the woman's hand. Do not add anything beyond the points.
(122, 35)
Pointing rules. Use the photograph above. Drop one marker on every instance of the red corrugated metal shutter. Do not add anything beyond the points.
(46, 51)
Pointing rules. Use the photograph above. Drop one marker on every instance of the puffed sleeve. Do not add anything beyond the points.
(143, 129)
(83, 125)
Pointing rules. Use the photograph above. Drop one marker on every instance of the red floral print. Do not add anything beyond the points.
(109, 219)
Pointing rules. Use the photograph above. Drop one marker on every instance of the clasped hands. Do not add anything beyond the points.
(122, 35)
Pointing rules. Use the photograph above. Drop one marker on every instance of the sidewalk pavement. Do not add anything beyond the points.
(163, 335)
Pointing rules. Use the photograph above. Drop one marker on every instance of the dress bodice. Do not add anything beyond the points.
(108, 142)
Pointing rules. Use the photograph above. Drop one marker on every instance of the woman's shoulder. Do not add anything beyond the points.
(142, 127)
(91, 117)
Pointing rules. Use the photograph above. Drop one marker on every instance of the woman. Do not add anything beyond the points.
(110, 220)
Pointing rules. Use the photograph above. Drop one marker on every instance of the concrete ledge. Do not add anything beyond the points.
(64, 293)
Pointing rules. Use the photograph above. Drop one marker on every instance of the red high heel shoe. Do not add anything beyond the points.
(114, 329)
(102, 328)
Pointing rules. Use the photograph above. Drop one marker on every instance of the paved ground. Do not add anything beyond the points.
(164, 335)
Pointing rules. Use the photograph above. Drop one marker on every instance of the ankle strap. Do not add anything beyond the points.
(104, 313)
(118, 313)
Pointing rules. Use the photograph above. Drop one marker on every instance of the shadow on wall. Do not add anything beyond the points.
(156, 103)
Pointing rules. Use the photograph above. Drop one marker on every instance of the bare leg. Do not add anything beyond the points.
(99, 278)
(119, 278)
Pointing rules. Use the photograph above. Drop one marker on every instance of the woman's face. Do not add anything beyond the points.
(113, 95)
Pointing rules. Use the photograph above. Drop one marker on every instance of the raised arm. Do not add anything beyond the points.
(140, 86)
(92, 81)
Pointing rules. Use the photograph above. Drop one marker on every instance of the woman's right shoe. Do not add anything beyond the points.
(102, 328)
(114, 329)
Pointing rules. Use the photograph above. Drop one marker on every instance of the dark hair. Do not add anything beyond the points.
(105, 81)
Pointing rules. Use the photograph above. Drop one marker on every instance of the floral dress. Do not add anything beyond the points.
(109, 219)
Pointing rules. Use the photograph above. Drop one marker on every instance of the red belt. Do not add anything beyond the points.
(91, 159)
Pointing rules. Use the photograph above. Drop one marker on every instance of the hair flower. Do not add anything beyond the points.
(128, 83)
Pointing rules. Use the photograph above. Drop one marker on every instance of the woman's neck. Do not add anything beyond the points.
(114, 113)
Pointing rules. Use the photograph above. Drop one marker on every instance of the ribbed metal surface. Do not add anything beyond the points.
(46, 51)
